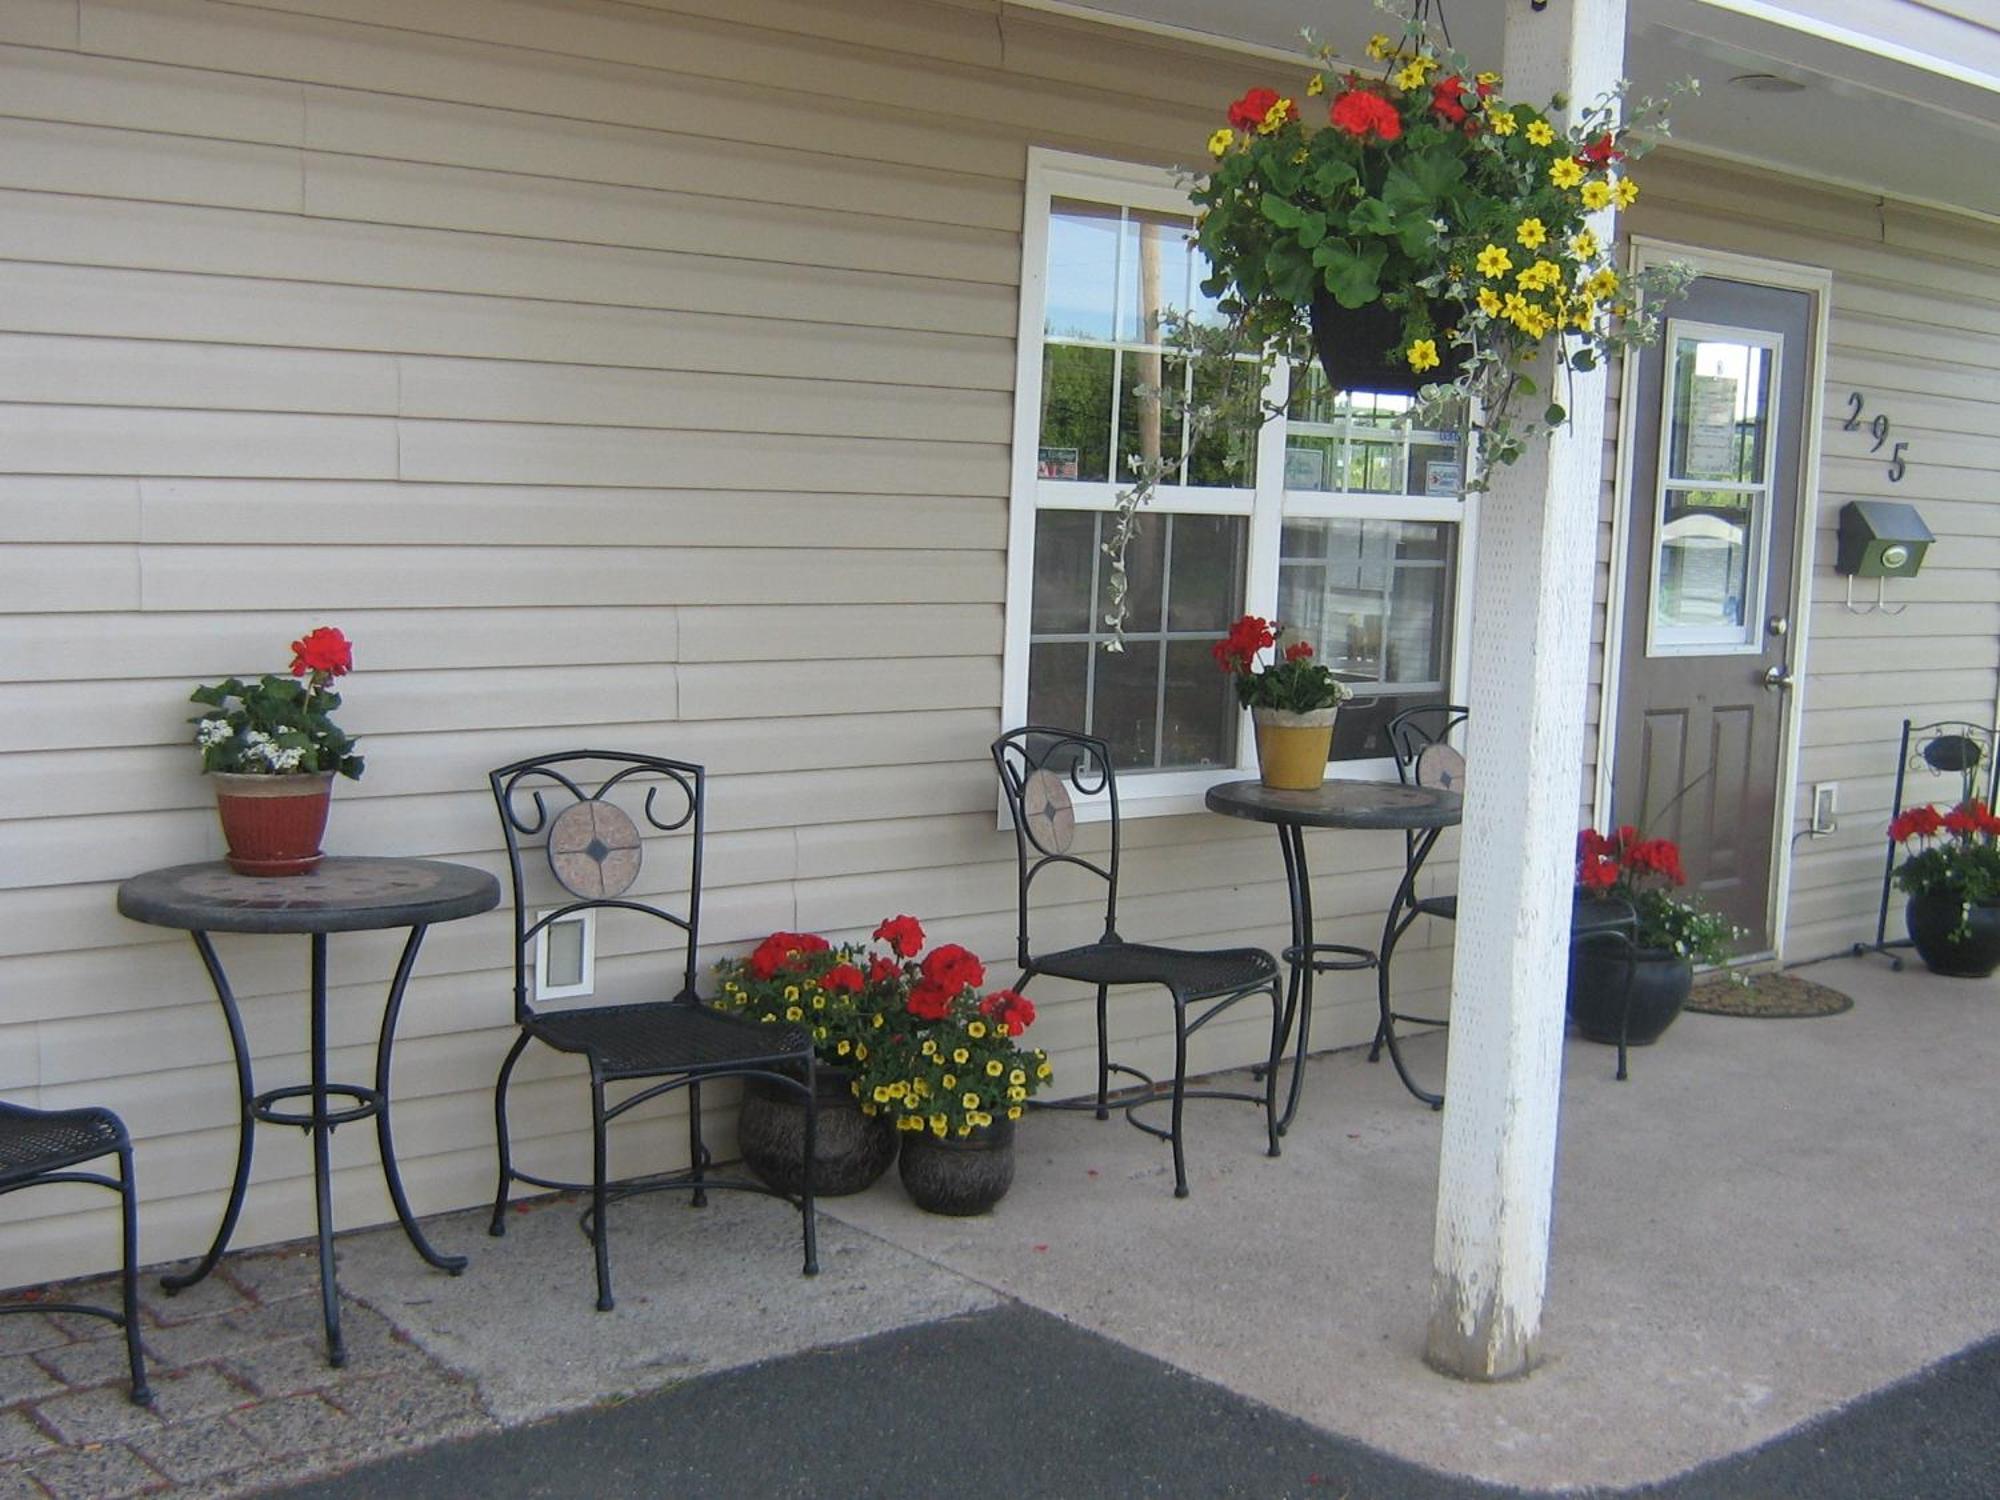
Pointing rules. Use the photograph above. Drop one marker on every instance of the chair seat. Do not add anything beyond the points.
(668, 1036)
(34, 1141)
(1191, 973)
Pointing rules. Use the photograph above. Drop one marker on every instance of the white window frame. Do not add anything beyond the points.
(585, 920)
(1062, 174)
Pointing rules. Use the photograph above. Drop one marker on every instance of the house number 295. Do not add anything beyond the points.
(1879, 429)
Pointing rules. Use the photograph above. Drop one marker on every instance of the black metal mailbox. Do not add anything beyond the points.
(1881, 539)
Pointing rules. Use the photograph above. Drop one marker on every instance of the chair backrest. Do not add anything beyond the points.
(590, 816)
(1039, 766)
(1415, 730)
(1951, 747)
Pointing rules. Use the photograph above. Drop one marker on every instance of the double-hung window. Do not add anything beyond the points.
(1332, 517)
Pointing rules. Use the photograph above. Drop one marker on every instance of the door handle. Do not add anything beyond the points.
(1778, 678)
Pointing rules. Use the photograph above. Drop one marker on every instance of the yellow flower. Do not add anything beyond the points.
(1221, 141)
(898, 1089)
(793, 1013)
(1275, 117)
(1530, 233)
(1566, 172)
(819, 1033)
(970, 1101)
(1423, 356)
(1412, 74)
(1502, 122)
(1380, 47)
(1043, 1070)
(1583, 244)
(819, 1002)
(1489, 301)
(1494, 261)
(1603, 283)
(1542, 275)
(1017, 1076)
(994, 1067)
(1316, 85)
(1014, 1113)
(976, 1030)
(876, 1020)
(845, 1047)
(732, 988)
(861, 1052)
(1491, 80)
(951, 1080)
(881, 1094)
(1625, 191)
(1541, 133)
(1017, 1094)
(791, 992)
(960, 1056)
(940, 1123)
(1299, 158)
(930, 1046)
(1596, 195)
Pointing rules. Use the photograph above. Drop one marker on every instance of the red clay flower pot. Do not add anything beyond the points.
(273, 824)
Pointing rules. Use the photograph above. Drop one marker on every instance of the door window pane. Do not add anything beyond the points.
(1705, 544)
(1721, 410)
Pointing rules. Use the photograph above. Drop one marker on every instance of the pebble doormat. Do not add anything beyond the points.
(1774, 994)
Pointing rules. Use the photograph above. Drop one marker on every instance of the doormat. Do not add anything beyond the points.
(1773, 994)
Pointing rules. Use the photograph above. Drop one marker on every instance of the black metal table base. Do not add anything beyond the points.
(319, 1121)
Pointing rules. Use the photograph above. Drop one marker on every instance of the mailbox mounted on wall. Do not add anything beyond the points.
(1881, 539)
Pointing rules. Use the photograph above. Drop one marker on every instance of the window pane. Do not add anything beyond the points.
(1126, 702)
(1083, 263)
(1207, 580)
(1145, 573)
(1151, 402)
(1065, 554)
(1720, 410)
(1226, 457)
(1076, 412)
(1705, 539)
(1058, 684)
(1154, 275)
(1201, 711)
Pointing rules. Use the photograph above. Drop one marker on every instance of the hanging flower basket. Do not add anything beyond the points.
(1358, 347)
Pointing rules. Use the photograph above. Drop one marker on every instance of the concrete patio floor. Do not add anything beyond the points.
(1772, 1218)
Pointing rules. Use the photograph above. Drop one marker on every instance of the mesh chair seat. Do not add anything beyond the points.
(668, 1037)
(34, 1141)
(1191, 973)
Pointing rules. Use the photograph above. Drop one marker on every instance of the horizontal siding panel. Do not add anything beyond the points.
(379, 192)
(160, 305)
(61, 578)
(45, 158)
(47, 508)
(40, 23)
(78, 90)
(286, 247)
(130, 372)
(512, 453)
(101, 440)
(505, 140)
(769, 689)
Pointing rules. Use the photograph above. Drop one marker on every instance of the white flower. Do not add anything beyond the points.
(212, 732)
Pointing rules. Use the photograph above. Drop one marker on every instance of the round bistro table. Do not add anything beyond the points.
(342, 895)
(1421, 811)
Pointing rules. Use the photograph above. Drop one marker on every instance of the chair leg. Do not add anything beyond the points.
(697, 1156)
(1271, 1068)
(1180, 1095)
(497, 1226)
(600, 1236)
(142, 1394)
(806, 1210)
(1103, 1054)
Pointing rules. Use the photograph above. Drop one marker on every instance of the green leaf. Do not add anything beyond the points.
(1583, 359)
(1290, 270)
(1370, 216)
(1555, 416)
(1282, 211)
(1419, 185)
(1331, 176)
(1354, 279)
(1525, 386)
(1312, 228)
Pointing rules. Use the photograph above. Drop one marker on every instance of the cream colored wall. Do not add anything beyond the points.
(636, 375)
(1915, 327)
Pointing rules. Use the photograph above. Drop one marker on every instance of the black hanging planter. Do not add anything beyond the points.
(1360, 348)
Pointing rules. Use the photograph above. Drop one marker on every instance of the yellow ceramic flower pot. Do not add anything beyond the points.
(1292, 748)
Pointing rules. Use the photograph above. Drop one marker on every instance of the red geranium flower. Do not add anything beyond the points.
(780, 948)
(1010, 1010)
(1361, 113)
(1916, 822)
(930, 1001)
(904, 935)
(882, 970)
(1963, 820)
(1248, 112)
(1600, 154)
(1448, 99)
(1237, 651)
(322, 650)
(1298, 651)
(954, 968)
(843, 977)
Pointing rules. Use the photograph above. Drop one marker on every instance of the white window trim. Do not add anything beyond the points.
(586, 919)
(1064, 174)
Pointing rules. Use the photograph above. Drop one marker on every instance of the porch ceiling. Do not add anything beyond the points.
(1902, 97)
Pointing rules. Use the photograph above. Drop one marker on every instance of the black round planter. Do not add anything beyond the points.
(1360, 348)
(959, 1175)
(1597, 1001)
(852, 1149)
(1933, 916)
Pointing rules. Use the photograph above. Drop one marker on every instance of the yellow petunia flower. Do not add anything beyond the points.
(1530, 233)
(1423, 355)
(1494, 261)
(1541, 133)
(861, 1052)
(876, 1020)
(976, 1030)
(793, 1013)
(881, 1094)
(1221, 141)
(994, 1067)
(845, 1047)
(1489, 301)
(1583, 244)
(940, 1124)
(819, 1033)
(1016, 1095)
(1014, 1113)
(791, 992)
(1044, 1071)
(1625, 191)
(1502, 122)
(1017, 1076)
(950, 1080)
(970, 1101)
(819, 1002)
(1566, 172)
(1596, 195)
(930, 1046)
(1316, 85)
(960, 1056)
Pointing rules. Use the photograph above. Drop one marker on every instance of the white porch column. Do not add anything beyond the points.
(1536, 558)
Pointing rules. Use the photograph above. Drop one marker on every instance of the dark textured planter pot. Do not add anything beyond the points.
(959, 1176)
(273, 824)
(852, 1149)
(1660, 984)
(1933, 916)
(1359, 348)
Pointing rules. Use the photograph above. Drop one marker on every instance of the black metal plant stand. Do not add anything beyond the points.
(343, 895)
(1949, 746)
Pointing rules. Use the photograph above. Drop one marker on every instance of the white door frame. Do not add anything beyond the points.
(1817, 283)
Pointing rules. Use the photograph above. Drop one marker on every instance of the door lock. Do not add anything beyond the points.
(1778, 678)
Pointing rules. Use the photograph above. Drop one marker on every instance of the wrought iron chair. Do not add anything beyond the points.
(49, 1145)
(594, 849)
(1038, 767)
(1419, 741)
(1953, 747)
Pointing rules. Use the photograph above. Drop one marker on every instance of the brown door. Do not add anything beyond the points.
(1706, 660)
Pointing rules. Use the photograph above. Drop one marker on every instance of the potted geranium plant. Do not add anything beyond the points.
(951, 1076)
(1430, 233)
(272, 750)
(843, 993)
(1672, 933)
(1952, 877)
(1292, 701)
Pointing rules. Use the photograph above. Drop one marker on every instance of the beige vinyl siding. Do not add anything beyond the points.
(612, 374)
(1915, 327)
